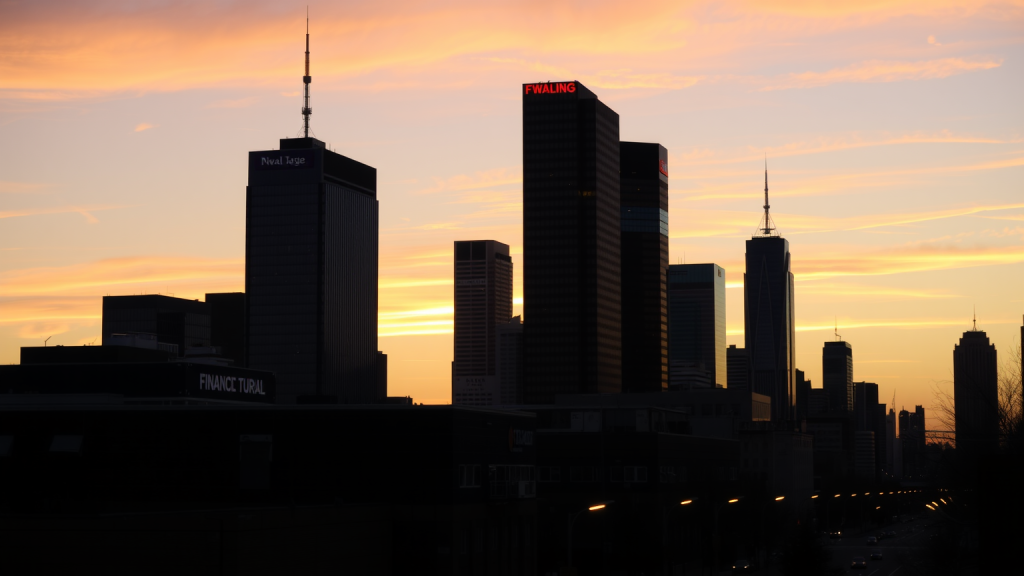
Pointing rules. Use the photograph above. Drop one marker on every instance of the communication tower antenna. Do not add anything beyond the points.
(766, 227)
(306, 110)
(975, 329)
(836, 319)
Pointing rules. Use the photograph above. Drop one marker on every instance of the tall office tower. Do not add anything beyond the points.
(869, 415)
(311, 270)
(643, 170)
(976, 393)
(177, 321)
(227, 325)
(483, 300)
(803, 395)
(768, 305)
(837, 375)
(571, 221)
(509, 358)
(864, 403)
(696, 326)
(738, 367)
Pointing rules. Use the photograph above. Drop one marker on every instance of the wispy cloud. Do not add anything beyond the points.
(239, 103)
(123, 275)
(85, 211)
(144, 126)
(22, 187)
(707, 157)
(883, 71)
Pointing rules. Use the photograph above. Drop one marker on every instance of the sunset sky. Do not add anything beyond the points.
(894, 133)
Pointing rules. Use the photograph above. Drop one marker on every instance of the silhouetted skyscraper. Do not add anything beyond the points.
(510, 361)
(644, 256)
(571, 242)
(803, 395)
(311, 269)
(483, 301)
(768, 304)
(738, 366)
(696, 326)
(976, 393)
(837, 375)
(311, 272)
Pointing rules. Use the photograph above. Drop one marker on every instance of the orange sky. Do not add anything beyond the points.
(893, 130)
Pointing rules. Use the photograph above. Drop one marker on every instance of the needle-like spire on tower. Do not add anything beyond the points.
(306, 110)
(766, 227)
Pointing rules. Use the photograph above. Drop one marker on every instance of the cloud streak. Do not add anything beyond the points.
(883, 71)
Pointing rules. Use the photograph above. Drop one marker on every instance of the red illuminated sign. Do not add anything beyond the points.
(550, 88)
(663, 167)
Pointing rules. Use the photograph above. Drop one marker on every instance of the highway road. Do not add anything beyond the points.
(898, 553)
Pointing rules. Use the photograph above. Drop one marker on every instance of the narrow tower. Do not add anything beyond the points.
(769, 317)
(311, 270)
(306, 110)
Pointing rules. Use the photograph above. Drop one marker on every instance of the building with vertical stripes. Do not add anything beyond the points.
(311, 272)
(483, 302)
(572, 302)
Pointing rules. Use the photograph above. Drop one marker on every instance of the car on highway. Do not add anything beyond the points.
(872, 540)
(876, 555)
(890, 534)
(836, 535)
(742, 567)
(858, 563)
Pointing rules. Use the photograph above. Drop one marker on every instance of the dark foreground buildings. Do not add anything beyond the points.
(311, 272)
(96, 485)
(769, 333)
(644, 196)
(571, 243)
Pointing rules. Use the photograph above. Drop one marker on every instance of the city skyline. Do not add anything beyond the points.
(900, 268)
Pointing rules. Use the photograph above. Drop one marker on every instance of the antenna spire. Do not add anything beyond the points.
(975, 318)
(306, 110)
(766, 227)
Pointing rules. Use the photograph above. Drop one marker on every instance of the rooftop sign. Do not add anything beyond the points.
(550, 88)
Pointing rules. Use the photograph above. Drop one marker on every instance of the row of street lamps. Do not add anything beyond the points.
(598, 506)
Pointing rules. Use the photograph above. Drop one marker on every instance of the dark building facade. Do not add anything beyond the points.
(696, 326)
(869, 416)
(803, 395)
(643, 170)
(837, 375)
(227, 325)
(912, 435)
(311, 272)
(483, 301)
(131, 374)
(738, 365)
(768, 306)
(265, 489)
(510, 361)
(571, 243)
(976, 393)
(178, 321)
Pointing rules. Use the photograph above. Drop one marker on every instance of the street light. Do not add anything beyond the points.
(572, 520)
(777, 498)
(685, 502)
